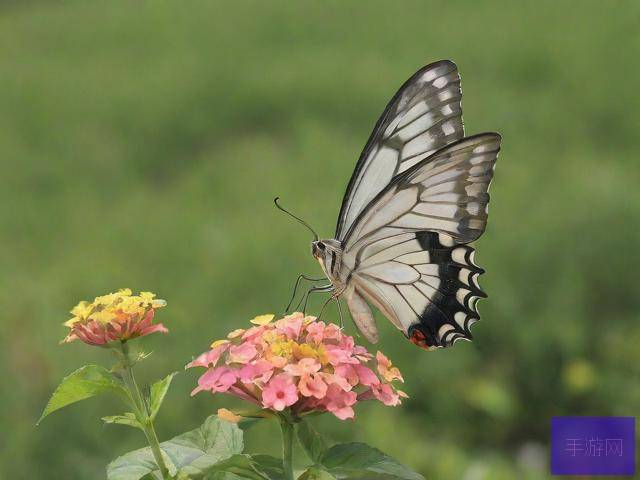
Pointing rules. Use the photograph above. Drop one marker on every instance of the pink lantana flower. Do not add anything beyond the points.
(340, 402)
(386, 368)
(312, 386)
(279, 393)
(219, 379)
(315, 331)
(117, 316)
(386, 394)
(242, 353)
(259, 371)
(299, 364)
(306, 366)
(290, 326)
(211, 357)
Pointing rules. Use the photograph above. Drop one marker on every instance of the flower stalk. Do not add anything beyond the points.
(141, 408)
(287, 447)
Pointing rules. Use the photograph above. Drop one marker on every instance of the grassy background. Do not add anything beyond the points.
(142, 144)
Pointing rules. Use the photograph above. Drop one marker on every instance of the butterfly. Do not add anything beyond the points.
(417, 197)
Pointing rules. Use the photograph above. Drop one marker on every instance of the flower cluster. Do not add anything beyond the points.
(299, 363)
(117, 316)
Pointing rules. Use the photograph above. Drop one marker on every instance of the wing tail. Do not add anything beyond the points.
(362, 316)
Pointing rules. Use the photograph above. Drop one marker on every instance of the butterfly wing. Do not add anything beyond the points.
(406, 252)
(422, 117)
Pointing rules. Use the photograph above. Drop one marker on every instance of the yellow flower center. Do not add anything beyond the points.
(282, 348)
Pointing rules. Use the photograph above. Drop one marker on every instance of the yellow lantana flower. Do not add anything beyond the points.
(126, 316)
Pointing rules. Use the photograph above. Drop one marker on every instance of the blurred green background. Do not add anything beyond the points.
(142, 143)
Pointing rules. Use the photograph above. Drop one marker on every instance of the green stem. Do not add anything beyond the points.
(287, 448)
(141, 410)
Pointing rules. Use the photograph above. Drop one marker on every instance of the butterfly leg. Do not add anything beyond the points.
(340, 312)
(305, 298)
(295, 288)
(335, 297)
(323, 307)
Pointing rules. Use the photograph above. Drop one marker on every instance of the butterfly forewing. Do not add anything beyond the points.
(423, 116)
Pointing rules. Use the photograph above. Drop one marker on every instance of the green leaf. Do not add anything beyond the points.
(312, 442)
(360, 461)
(254, 467)
(158, 392)
(270, 466)
(251, 417)
(189, 453)
(243, 466)
(222, 476)
(128, 419)
(247, 422)
(86, 382)
(314, 473)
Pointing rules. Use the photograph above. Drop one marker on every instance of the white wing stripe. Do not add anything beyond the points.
(392, 272)
(383, 244)
(391, 252)
(418, 222)
(442, 210)
(430, 269)
(397, 205)
(414, 258)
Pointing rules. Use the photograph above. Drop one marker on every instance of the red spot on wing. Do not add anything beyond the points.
(418, 338)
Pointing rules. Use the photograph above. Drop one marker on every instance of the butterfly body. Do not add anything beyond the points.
(417, 198)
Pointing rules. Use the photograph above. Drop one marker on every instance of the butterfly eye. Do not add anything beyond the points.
(321, 246)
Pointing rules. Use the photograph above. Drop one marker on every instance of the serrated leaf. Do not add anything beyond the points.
(128, 419)
(158, 392)
(314, 473)
(312, 442)
(212, 442)
(360, 461)
(86, 382)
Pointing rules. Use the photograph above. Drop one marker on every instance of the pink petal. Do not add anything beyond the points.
(242, 353)
(312, 386)
(343, 413)
(209, 358)
(385, 394)
(158, 327)
(366, 375)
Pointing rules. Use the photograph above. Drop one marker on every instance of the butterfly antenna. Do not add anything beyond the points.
(275, 200)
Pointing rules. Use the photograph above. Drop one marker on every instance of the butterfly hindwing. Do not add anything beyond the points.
(423, 116)
(427, 289)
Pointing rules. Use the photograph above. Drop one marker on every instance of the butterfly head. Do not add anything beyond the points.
(329, 255)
